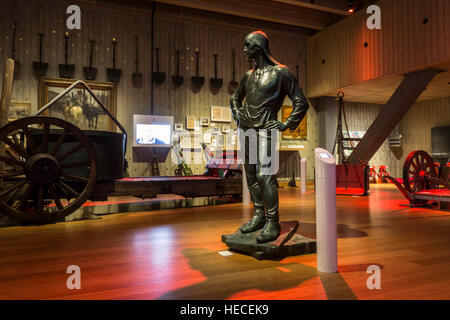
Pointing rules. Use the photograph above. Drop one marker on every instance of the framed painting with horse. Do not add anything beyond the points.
(78, 107)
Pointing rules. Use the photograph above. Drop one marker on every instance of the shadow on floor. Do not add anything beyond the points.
(344, 231)
(230, 275)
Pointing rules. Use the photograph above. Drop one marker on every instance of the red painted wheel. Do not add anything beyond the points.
(417, 168)
(37, 184)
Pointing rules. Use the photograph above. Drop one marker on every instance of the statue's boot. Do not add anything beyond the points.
(256, 223)
(271, 230)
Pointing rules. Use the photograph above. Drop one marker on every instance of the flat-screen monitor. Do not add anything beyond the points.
(152, 131)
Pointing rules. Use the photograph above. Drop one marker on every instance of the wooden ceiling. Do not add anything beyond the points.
(314, 15)
(379, 91)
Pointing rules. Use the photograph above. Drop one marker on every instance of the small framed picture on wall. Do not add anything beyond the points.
(178, 127)
(220, 114)
(216, 130)
(204, 121)
(190, 122)
(225, 129)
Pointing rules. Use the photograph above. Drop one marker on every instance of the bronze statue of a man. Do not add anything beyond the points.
(264, 89)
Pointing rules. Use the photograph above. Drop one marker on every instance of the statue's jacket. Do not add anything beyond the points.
(260, 95)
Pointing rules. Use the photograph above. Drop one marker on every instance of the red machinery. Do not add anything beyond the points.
(373, 174)
(382, 173)
(420, 180)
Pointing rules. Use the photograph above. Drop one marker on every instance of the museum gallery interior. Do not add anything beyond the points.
(225, 150)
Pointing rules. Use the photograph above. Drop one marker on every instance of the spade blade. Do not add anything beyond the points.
(66, 70)
(177, 80)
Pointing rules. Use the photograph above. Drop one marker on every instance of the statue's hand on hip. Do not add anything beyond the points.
(275, 124)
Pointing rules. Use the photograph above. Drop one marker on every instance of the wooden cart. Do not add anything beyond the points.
(51, 168)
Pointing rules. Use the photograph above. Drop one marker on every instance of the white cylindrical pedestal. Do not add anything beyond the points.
(303, 175)
(245, 192)
(326, 211)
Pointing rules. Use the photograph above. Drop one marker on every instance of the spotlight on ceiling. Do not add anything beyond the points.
(351, 7)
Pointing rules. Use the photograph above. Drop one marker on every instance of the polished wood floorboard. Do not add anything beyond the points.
(173, 254)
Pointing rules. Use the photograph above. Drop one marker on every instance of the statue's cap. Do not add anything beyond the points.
(262, 40)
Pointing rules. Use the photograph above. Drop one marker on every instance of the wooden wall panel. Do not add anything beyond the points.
(174, 30)
(403, 44)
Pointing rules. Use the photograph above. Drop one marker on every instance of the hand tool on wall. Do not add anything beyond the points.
(177, 79)
(158, 77)
(66, 70)
(215, 82)
(40, 68)
(136, 77)
(113, 74)
(197, 81)
(232, 86)
(90, 73)
(13, 55)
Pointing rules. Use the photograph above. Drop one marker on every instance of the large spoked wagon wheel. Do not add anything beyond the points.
(417, 169)
(39, 182)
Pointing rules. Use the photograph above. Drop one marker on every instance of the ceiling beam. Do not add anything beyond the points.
(332, 7)
(263, 10)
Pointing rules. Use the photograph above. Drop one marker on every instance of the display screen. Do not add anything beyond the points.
(153, 133)
(324, 155)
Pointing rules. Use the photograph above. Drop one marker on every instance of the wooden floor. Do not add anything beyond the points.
(173, 254)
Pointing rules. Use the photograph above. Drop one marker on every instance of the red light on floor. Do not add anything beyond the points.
(351, 10)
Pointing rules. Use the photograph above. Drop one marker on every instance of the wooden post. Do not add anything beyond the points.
(5, 100)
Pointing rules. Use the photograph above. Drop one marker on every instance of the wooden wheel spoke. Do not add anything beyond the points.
(25, 196)
(71, 151)
(75, 164)
(40, 200)
(66, 193)
(10, 174)
(67, 189)
(54, 194)
(58, 144)
(16, 148)
(73, 177)
(12, 161)
(15, 139)
(30, 140)
(45, 138)
(13, 193)
(414, 165)
(18, 185)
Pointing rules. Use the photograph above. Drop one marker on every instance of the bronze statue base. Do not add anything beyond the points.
(289, 243)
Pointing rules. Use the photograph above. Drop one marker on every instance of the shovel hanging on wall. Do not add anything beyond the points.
(197, 82)
(40, 68)
(66, 70)
(90, 73)
(232, 86)
(136, 77)
(215, 82)
(13, 55)
(113, 75)
(158, 77)
(177, 80)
